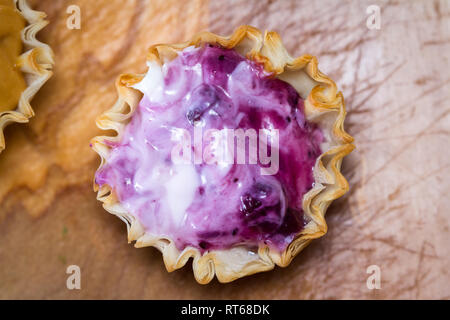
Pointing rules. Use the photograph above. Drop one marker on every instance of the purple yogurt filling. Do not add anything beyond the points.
(209, 206)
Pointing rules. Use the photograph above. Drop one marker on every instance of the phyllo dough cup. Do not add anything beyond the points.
(35, 63)
(324, 105)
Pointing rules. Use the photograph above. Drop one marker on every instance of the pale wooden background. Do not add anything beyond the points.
(396, 81)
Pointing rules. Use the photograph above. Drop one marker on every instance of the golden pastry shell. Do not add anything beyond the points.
(323, 105)
(35, 63)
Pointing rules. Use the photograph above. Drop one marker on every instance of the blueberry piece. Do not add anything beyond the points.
(202, 99)
(261, 190)
(263, 221)
(194, 115)
(249, 204)
(204, 245)
(261, 210)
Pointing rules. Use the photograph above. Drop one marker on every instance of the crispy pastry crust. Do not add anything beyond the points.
(35, 63)
(323, 105)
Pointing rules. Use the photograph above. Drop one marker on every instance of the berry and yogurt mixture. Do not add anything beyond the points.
(213, 206)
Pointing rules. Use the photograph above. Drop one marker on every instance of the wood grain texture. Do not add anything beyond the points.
(396, 82)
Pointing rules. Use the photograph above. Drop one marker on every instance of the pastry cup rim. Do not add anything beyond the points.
(35, 63)
(329, 182)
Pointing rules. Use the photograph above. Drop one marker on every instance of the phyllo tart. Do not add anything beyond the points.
(25, 62)
(228, 151)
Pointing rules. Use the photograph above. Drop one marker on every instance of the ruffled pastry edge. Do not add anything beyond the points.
(35, 63)
(323, 105)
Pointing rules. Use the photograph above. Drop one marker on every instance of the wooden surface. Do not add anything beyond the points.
(396, 82)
